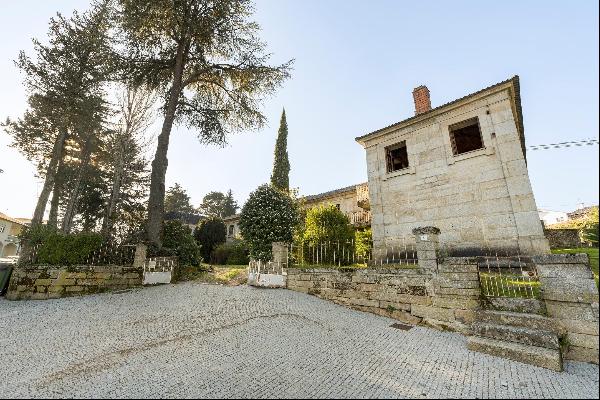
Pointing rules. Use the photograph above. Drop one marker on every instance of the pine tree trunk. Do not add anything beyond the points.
(40, 208)
(156, 202)
(57, 150)
(55, 203)
(71, 208)
(115, 193)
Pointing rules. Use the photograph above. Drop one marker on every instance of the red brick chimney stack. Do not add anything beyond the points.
(422, 100)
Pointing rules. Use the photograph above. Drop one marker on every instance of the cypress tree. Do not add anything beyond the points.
(281, 166)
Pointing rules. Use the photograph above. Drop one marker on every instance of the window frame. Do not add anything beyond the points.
(461, 125)
(388, 162)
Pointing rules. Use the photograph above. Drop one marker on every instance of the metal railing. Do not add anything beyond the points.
(400, 251)
(262, 267)
(509, 276)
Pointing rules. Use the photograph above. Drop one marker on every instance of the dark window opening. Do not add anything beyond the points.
(337, 206)
(231, 228)
(396, 157)
(466, 136)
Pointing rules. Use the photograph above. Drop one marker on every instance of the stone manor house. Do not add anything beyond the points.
(460, 167)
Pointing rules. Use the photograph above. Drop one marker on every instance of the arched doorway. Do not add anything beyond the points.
(10, 250)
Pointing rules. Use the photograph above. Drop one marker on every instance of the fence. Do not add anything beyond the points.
(514, 277)
(400, 251)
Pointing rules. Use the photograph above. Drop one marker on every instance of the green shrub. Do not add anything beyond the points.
(326, 238)
(363, 242)
(235, 253)
(326, 224)
(268, 216)
(57, 248)
(210, 233)
(178, 240)
(589, 231)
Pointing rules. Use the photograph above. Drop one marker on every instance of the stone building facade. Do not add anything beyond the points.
(353, 201)
(10, 229)
(460, 167)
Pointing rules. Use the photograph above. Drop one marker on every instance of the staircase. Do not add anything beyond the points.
(506, 331)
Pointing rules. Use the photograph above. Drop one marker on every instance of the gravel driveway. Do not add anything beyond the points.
(194, 340)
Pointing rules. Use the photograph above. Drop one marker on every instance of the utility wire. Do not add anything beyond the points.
(577, 143)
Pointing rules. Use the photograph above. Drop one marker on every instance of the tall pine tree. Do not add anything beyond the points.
(281, 166)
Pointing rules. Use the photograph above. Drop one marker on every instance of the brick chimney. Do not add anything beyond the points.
(422, 100)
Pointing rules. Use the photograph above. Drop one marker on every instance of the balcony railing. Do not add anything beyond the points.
(362, 196)
(360, 217)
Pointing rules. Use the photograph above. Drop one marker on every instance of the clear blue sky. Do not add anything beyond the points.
(356, 65)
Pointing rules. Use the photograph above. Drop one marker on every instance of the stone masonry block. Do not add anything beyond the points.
(465, 268)
(582, 354)
(455, 303)
(560, 259)
(430, 312)
(581, 340)
(575, 311)
(460, 276)
(394, 305)
(578, 326)
(476, 292)
(565, 271)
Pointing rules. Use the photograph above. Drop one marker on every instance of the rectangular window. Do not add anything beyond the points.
(1, 228)
(466, 136)
(396, 157)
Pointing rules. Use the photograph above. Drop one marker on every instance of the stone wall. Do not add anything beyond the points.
(478, 199)
(409, 295)
(50, 282)
(563, 238)
(571, 298)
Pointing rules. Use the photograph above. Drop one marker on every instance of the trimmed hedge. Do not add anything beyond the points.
(57, 248)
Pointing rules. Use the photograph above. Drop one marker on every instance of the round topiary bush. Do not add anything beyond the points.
(268, 216)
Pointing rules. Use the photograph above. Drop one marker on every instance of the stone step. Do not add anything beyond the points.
(538, 356)
(517, 334)
(531, 321)
(516, 304)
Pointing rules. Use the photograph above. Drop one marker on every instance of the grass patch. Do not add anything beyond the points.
(232, 275)
(592, 252)
(514, 286)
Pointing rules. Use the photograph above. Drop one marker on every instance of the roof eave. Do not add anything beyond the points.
(512, 83)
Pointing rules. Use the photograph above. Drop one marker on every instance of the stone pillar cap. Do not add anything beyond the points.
(426, 230)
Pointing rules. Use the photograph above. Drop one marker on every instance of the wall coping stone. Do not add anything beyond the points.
(579, 258)
(382, 271)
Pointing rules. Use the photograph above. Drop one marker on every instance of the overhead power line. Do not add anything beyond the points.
(577, 143)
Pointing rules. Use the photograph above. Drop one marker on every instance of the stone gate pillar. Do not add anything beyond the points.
(139, 259)
(427, 244)
(280, 254)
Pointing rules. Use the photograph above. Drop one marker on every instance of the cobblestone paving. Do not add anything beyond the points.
(194, 340)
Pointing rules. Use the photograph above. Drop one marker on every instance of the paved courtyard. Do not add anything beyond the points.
(193, 340)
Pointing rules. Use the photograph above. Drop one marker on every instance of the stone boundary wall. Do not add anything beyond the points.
(571, 297)
(51, 282)
(410, 295)
(563, 238)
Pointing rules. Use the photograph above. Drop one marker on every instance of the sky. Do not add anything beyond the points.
(356, 63)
